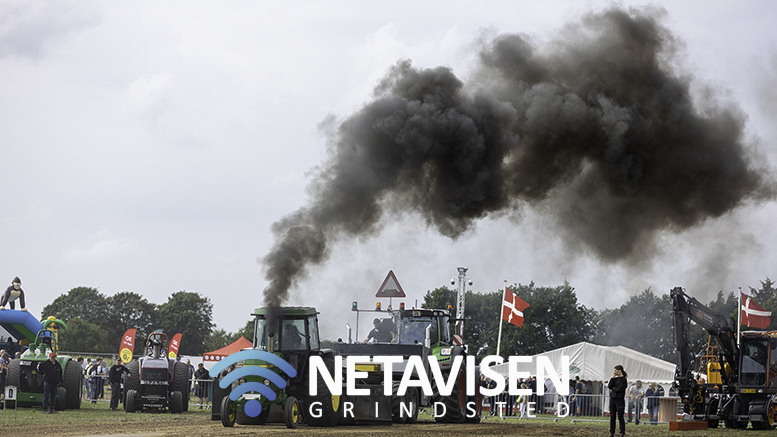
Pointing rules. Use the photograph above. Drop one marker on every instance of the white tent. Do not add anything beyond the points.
(595, 363)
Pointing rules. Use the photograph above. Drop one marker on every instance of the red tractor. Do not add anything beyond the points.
(156, 381)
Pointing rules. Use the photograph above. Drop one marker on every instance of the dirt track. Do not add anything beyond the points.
(201, 425)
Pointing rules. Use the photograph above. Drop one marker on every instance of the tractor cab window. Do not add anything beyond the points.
(260, 334)
(313, 333)
(413, 330)
(445, 330)
(755, 359)
(293, 335)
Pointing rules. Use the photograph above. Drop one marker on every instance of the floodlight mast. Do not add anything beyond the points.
(462, 280)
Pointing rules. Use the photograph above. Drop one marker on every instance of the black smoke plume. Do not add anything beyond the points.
(596, 129)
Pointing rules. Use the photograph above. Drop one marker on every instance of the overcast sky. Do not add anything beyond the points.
(149, 147)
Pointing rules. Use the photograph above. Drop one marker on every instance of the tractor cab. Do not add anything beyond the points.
(156, 345)
(296, 329)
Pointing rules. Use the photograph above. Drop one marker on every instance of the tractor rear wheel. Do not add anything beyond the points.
(73, 382)
(181, 382)
(399, 404)
(132, 381)
(477, 399)
(456, 402)
(13, 379)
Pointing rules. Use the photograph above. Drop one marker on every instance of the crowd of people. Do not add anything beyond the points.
(583, 399)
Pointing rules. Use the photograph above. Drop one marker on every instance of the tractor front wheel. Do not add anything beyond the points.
(129, 401)
(291, 412)
(228, 410)
(176, 402)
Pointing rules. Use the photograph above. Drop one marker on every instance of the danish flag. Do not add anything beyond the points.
(512, 308)
(754, 315)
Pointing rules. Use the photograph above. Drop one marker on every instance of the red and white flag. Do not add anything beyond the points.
(512, 308)
(754, 315)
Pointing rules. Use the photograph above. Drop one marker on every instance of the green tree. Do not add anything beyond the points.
(129, 310)
(85, 336)
(190, 314)
(554, 319)
(83, 302)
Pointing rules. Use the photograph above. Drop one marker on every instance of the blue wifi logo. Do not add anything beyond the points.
(252, 407)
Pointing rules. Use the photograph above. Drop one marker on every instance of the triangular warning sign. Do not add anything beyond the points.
(390, 287)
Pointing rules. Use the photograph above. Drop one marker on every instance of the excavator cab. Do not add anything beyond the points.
(759, 360)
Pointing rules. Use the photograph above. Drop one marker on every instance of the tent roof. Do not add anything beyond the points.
(594, 363)
(219, 354)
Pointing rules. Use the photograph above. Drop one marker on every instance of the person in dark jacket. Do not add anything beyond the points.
(52, 377)
(115, 373)
(617, 386)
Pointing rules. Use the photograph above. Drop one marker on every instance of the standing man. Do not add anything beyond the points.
(114, 374)
(52, 377)
(636, 393)
(203, 384)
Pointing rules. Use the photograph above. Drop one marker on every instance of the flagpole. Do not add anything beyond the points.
(739, 315)
(501, 308)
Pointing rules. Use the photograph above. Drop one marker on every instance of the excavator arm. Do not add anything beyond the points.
(686, 309)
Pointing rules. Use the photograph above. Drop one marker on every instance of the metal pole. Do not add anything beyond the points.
(739, 315)
(460, 300)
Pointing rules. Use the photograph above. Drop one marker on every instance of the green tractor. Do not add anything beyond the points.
(291, 334)
(421, 332)
(23, 372)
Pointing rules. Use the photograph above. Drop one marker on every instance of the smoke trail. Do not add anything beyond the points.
(596, 128)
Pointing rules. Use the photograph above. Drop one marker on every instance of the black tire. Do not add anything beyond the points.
(74, 383)
(181, 382)
(60, 399)
(227, 412)
(456, 403)
(132, 381)
(414, 400)
(712, 409)
(130, 405)
(291, 412)
(330, 405)
(397, 403)
(477, 399)
(13, 379)
(176, 402)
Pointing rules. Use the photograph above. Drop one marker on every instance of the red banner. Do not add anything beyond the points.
(127, 345)
(175, 343)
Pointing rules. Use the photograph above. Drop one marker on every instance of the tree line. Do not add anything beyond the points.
(95, 322)
(556, 319)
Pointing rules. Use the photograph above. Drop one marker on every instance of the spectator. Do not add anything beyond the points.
(5, 358)
(523, 402)
(577, 397)
(203, 380)
(653, 394)
(88, 383)
(636, 393)
(115, 374)
(191, 376)
(52, 377)
(617, 386)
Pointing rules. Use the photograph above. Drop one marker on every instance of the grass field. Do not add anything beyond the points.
(98, 419)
